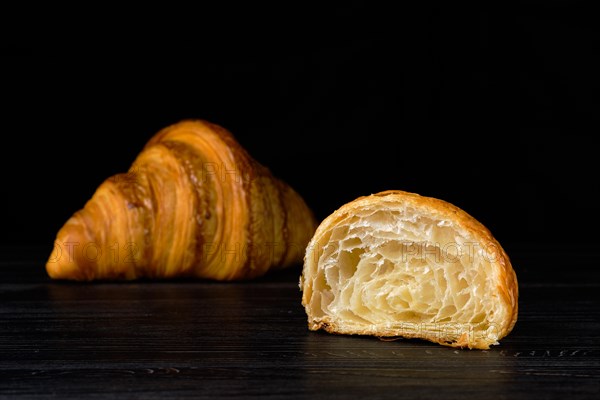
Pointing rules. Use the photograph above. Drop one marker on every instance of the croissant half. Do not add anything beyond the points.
(399, 264)
(194, 203)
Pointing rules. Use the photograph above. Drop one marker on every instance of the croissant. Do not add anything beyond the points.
(399, 264)
(193, 204)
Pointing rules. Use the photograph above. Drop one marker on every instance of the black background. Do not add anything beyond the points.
(488, 109)
(492, 108)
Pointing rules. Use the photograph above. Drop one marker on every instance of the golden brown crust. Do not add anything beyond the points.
(507, 286)
(464, 341)
(195, 204)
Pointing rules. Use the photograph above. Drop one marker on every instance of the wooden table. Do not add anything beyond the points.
(195, 339)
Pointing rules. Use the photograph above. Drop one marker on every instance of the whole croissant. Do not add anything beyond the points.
(194, 203)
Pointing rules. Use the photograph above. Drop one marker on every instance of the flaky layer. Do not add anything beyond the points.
(398, 264)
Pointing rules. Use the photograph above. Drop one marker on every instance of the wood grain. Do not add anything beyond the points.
(182, 339)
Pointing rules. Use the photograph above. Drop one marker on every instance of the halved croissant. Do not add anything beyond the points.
(399, 264)
(194, 203)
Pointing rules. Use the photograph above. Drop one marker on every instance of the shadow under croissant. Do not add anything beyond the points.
(367, 366)
(184, 323)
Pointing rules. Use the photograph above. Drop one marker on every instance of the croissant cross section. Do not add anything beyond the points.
(400, 264)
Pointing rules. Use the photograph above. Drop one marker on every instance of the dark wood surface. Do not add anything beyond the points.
(182, 339)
